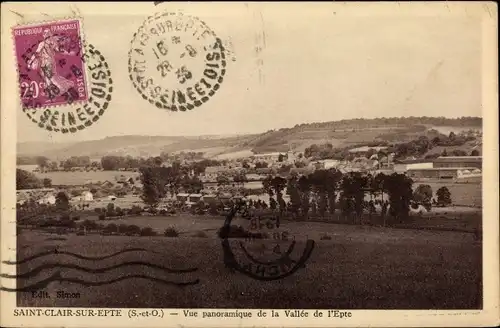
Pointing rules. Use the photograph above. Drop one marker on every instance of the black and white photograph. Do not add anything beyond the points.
(207, 162)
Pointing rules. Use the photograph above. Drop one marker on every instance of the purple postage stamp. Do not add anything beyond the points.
(50, 63)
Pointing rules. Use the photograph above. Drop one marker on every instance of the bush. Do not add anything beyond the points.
(118, 211)
(240, 232)
(170, 232)
(122, 228)
(61, 230)
(147, 231)
(97, 210)
(135, 210)
(110, 207)
(325, 237)
(76, 218)
(65, 217)
(111, 213)
(163, 212)
(102, 216)
(111, 228)
(200, 234)
(133, 230)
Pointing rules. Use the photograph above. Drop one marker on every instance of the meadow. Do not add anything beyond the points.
(81, 178)
(359, 268)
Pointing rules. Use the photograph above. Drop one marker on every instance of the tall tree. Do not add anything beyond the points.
(27, 180)
(443, 196)
(293, 191)
(399, 188)
(423, 195)
(333, 178)
(62, 201)
(304, 186)
(152, 188)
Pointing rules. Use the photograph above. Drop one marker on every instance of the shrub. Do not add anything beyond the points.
(102, 216)
(133, 230)
(65, 217)
(110, 213)
(97, 210)
(163, 212)
(61, 230)
(111, 227)
(118, 211)
(170, 232)
(240, 232)
(200, 234)
(147, 231)
(325, 237)
(135, 210)
(110, 207)
(76, 218)
(122, 228)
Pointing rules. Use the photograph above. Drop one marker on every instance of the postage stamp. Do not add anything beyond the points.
(50, 64)
(176, 62)
(65, 84)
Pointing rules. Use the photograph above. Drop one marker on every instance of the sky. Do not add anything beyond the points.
(314, 65)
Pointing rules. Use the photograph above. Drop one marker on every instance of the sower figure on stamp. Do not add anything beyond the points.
(43, 60)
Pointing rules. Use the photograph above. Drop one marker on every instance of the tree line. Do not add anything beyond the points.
(320, 192)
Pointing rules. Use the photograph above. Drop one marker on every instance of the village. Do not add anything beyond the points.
(242, 178)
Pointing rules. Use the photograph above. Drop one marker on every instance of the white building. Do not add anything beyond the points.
(404, 167)
(328, 163)
(211, 173)
(48, 199)
(87, 196)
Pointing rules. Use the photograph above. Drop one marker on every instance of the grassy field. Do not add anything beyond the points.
(80, 178)
(360, 267)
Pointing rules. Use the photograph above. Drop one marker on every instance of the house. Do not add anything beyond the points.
(271, 157)
(404, 166)
(211, 173)
(438, 172)
(195, 198)
(182, 197)
(209, 198)
(265, 171)
(48, 199)
(106, 184)
(328, 163)
(87, 196)
(459, 161)
(301, 171)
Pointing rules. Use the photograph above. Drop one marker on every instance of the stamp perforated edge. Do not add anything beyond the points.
(43, 22)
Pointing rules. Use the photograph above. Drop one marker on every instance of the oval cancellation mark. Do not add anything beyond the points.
(176, 62)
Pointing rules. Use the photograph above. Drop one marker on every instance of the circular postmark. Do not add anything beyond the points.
(73, 116)
(176, 62)
(267, 251)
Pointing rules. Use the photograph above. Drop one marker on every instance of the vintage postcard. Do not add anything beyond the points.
(192, 164)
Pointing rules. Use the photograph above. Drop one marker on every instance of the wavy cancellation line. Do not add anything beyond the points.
(82, 257)
(56, 277)
(57, 265)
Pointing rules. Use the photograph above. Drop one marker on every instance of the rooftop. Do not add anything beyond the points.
(442, 169)
(458, 158)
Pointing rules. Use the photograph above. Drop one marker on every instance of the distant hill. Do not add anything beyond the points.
(338, 133)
